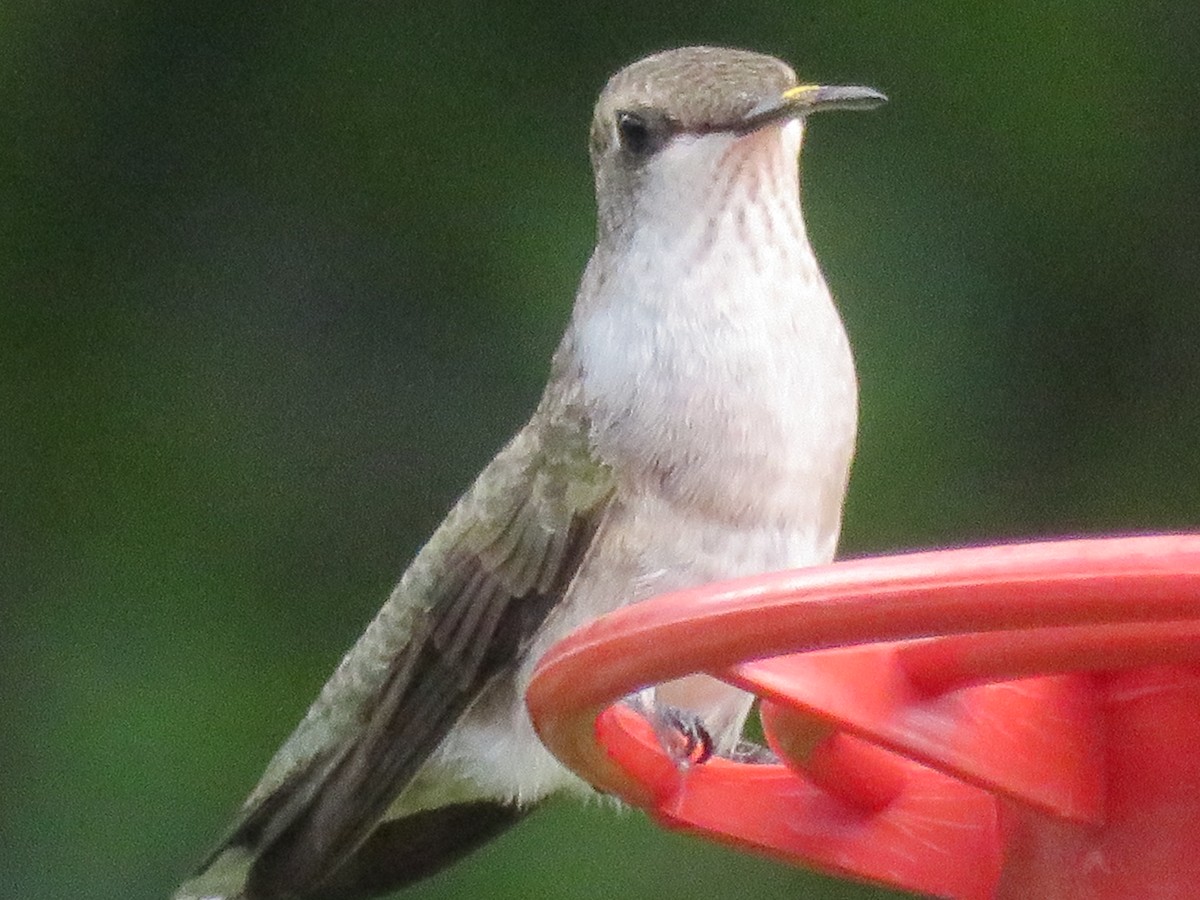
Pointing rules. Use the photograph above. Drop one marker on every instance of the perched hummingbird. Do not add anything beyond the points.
(698, 424)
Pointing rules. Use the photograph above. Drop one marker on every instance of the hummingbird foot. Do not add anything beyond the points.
(681, 734)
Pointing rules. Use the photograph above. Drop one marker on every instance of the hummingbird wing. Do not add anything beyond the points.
(461, 615)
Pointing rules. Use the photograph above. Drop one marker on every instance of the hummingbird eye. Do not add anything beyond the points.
(637, 136)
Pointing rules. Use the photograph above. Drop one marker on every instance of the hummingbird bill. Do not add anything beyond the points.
(698, 424)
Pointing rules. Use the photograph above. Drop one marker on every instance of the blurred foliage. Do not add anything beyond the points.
(277, 279)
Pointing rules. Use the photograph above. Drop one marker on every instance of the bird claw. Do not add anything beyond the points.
(681, 734)
(690, 744)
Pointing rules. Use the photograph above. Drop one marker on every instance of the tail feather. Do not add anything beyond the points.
(223, 878)
(402, 851)
(397, 853)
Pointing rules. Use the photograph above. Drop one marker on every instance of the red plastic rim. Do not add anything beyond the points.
(960, 681)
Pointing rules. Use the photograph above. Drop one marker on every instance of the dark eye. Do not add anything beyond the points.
(636, 135)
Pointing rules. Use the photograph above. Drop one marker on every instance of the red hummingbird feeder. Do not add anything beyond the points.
(1011, 721)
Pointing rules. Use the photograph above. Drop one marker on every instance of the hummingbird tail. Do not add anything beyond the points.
(397, 853)
(402, 851)
(224, 878)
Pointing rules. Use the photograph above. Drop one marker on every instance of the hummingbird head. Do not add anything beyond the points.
(673, 131)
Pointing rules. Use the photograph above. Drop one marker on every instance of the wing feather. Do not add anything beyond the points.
(461, 615)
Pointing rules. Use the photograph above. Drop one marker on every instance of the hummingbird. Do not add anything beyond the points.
(698, 424)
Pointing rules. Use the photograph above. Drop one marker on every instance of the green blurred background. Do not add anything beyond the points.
(277, 279)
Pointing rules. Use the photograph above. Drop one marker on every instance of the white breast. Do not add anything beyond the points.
(713, 358)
